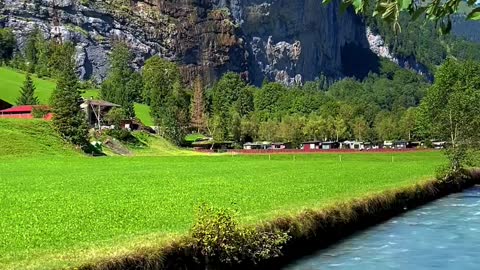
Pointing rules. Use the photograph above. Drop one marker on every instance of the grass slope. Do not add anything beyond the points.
(31, 137)
(11, 81)
(158, 146)
(62, 212)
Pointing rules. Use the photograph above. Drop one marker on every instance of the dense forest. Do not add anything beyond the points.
(381, 106)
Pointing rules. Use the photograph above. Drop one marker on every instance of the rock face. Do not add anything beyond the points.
(283, 40)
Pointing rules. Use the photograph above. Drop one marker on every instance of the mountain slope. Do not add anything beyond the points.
(283, 40)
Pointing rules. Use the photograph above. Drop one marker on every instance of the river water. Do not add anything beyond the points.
(444, 234)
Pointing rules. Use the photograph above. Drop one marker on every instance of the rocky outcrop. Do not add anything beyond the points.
(382, 50)
(284, 40)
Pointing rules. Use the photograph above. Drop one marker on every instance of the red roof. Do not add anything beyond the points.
(23, 109)
(19, 109)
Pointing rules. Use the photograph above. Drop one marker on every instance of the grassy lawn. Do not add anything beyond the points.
(24, 137)
(59, 212)
(11, 81)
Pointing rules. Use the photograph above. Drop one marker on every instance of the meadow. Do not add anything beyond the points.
(64, 211)
(12, 81)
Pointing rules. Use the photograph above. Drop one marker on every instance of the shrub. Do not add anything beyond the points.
(220, 241)
(40, 111)
(122, 135)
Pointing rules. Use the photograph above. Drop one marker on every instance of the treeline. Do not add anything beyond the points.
(43, 57)
(381, 107)
(421, 40)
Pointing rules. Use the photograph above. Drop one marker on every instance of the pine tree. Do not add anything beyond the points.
(32, 48)
(198, 106)
(117, 88)
(69, 119)
(27, 93)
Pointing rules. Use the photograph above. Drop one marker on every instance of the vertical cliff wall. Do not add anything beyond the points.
(284, 40)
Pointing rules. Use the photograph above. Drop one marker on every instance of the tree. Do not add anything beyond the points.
(198, 106)
(27, 92)
(119, 85)
(313, 128)
(408, 123)
(168, 100)
(360, 128)
(7, 44)
(438, 11)
(35, 50)
(225, 93)
(172, 117)
(159, 76)
(58, 52)
(340, 127)
(69, 118)
(451, 109)
(268, 97)
(244, 104)
(385, 126)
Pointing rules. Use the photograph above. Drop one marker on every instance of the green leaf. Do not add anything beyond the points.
(358, 4)
(404, 4)
(390, 11)
(471, 2)
(326, 2)
(474, 14)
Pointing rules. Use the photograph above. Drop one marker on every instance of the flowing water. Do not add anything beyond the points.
(444, 234)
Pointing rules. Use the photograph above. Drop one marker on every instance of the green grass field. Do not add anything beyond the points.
(31, 137)
(11, 81)
(59, 212)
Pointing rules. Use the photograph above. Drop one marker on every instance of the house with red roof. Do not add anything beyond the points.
(27, 112)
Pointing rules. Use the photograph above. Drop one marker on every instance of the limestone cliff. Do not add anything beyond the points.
(284, 40)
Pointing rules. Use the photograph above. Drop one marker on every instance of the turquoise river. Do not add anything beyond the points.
(444, 234)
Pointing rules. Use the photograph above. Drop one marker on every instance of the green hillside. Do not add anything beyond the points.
(11, 81)
(31, 138)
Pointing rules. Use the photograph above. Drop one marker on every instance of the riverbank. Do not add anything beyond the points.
(309, 231)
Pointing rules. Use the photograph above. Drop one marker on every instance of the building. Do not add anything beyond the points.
(4, 105)
(400, 144)
(281, 146)
(388, 144)
(27, 112)
(330, 145)
(312, 145)
(96, 111)
(257, 146)
(353, 145)
(438, 144)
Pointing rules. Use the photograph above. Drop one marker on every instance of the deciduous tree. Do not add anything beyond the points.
(451, 109)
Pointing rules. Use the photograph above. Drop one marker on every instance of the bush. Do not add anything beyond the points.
(122, 135)
(219, 241)
(40, 111)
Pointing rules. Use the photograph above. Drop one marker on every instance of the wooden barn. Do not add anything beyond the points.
(96, 111)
